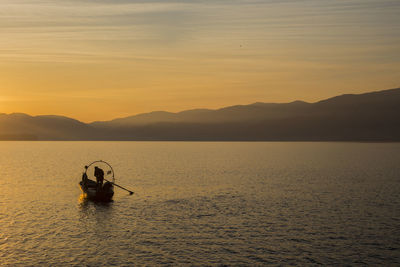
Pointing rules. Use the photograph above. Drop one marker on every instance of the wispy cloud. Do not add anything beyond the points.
(106, 27)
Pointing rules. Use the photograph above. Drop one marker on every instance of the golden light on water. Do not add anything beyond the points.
(82, 200)
(209, 203)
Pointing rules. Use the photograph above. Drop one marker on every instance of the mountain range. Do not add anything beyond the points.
(373, 116)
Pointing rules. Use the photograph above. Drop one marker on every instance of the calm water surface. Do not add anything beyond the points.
(202, 204)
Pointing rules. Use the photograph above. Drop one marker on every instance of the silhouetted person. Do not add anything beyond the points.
(99, 174)
(84, 175)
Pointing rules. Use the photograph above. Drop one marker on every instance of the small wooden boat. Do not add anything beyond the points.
(91, 189)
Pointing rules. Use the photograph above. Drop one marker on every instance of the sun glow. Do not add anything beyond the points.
(96, 61)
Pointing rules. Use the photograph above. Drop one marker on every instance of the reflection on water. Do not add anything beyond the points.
(83, 200)
(97, 209)
(202, 203)
(96, 221)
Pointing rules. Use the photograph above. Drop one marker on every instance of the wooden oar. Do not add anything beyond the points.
(130, 192)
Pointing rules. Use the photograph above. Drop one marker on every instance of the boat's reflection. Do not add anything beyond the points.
(95, 218)
(90, 207)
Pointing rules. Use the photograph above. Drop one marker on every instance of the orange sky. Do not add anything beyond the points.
(98, 60)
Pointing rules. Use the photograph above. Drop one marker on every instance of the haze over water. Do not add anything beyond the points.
(202, 204)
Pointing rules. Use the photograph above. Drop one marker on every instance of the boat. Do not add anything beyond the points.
(98, 192)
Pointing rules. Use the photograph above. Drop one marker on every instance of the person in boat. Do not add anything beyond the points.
(84, 175)
(99, 174)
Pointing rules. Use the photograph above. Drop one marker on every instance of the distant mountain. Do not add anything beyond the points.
(155, 117)
(239, 113)
(371, 116)
(18, 126)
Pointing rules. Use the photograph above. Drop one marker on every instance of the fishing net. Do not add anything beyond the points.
(104, 166)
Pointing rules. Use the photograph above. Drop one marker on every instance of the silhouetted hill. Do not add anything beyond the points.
(371, 116)
(239, 113)
(16, 126)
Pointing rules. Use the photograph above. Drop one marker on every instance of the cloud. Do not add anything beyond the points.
(106, 26)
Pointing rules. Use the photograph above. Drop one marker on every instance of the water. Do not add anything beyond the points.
(202, 204)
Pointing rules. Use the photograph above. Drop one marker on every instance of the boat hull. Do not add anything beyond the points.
(105, 194)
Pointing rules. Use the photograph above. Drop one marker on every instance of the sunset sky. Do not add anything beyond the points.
(98, 60)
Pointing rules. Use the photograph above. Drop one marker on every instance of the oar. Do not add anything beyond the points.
(130, 192)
